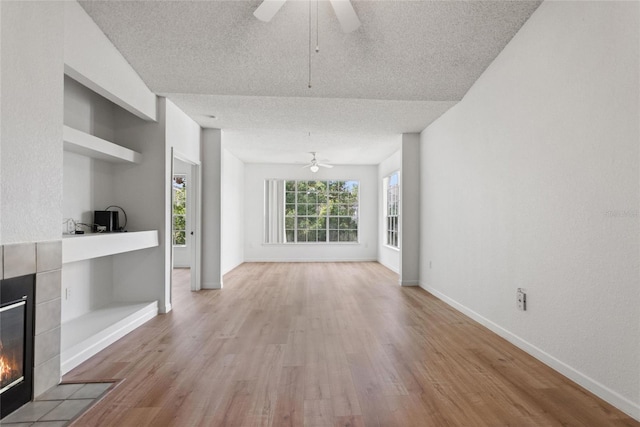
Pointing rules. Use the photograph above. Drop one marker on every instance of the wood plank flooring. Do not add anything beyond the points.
(330, 344)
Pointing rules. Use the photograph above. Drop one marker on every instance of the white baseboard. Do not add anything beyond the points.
(310, 260)
(625, 405)
(95, 331)
(211, 285)
(389, 267)
(409, 282)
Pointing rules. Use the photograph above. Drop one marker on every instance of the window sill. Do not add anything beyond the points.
(393, 248)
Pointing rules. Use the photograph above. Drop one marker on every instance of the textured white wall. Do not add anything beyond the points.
(256, 250)
(31, 134)
(387, 256)
(233, 189)
(532, 181)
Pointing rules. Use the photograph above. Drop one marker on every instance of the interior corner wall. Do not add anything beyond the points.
(387, 256)
(32, 35)
(232, 193)
(532, 181)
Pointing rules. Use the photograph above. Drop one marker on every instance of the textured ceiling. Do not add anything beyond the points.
(407, 64)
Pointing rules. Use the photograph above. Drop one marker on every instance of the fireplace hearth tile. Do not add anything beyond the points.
(67, 410)
(48, 256)
(19, 259)
(58, 406)
(61, 392)
(46, 376)
(31, 412)
(48, 286)
(50, 424)
(47, 346)
(48, 315)
(91, 391)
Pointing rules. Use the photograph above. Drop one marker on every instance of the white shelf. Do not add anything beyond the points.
(83, 143)
(88, 334)
(78, 247)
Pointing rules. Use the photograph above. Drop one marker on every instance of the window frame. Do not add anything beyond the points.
(327, 231)
(392, 211)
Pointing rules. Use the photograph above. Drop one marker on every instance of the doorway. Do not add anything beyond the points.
(185, 223)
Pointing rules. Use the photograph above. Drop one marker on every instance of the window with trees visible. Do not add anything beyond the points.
(392, 202)
(321, 211)
(179, 210)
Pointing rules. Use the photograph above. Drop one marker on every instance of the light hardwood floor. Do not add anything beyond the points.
(332, 344)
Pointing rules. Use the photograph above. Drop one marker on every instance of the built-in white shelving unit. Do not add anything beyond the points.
(86, 144)
(103, 297)
(86, 335)
(78, 247)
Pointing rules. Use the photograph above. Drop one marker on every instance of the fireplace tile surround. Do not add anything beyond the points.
(44, 259)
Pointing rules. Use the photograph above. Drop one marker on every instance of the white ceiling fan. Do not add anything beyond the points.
(343, 8)
(315, 166)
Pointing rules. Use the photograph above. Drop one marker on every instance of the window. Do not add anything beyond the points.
(321, 211)
(179, 210)
(391, 217)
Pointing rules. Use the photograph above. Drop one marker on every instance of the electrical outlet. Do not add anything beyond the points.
(67, 293)
(521, 296)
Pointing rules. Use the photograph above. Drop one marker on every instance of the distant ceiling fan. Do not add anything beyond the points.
(315, 166)
(343, 8)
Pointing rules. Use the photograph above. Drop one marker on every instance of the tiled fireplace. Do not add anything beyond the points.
(41, 261)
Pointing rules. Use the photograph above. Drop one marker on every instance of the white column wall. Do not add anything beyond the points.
(211, 209)
(410, 210)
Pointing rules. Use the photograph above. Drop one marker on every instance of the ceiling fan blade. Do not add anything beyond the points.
(346, 15)
(307, 166)
(267, 10)
(325, 165)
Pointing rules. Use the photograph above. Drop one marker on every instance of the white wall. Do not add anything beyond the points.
(91, 58)
(182, 133)
(532, 181)
(211, 209)
(232, 206)
(387, 256)
(31, 134)
(183, 136)
(256, 250)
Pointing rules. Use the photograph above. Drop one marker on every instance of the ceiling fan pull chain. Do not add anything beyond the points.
(309, 85)
(317, 29)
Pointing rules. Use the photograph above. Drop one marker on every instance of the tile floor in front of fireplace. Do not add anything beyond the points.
(57, 407)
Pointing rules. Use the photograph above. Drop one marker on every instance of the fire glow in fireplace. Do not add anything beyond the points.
(12, 319)
(16, 343)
